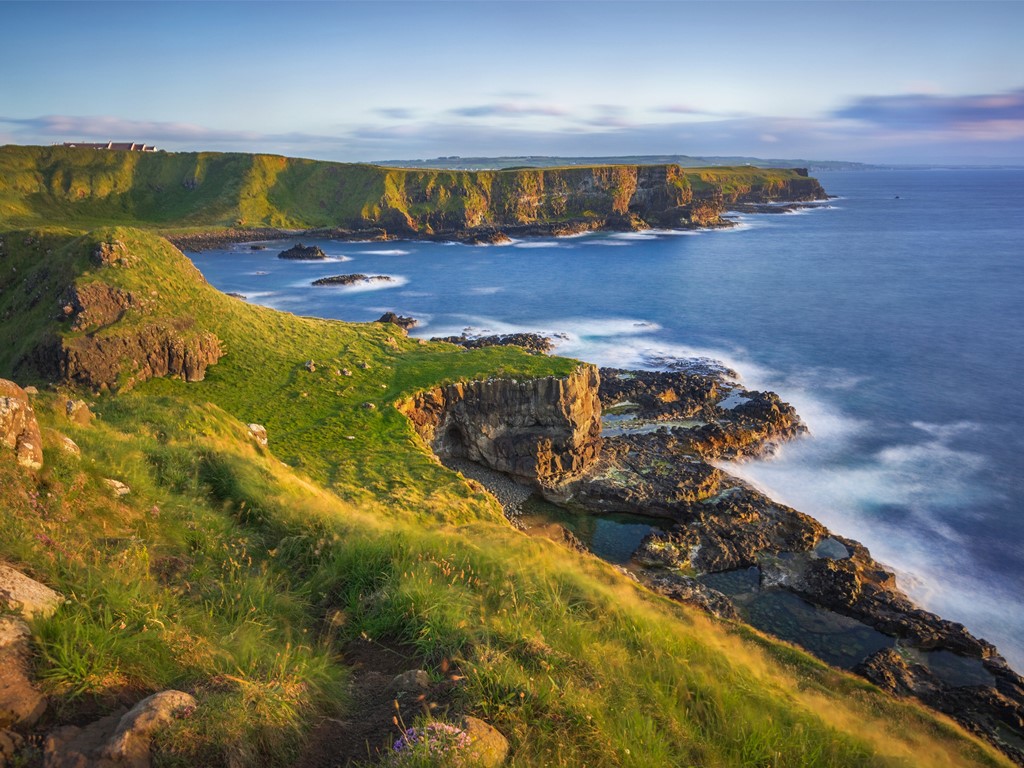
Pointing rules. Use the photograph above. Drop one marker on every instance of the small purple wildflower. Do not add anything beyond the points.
(434, 739)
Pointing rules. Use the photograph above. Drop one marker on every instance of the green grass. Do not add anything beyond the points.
(240, 573)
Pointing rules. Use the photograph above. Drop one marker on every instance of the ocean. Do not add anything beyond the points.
(892, 317)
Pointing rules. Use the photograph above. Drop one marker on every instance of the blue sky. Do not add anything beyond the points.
(876, 81)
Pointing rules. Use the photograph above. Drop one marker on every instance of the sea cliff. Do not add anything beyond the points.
(243, 196)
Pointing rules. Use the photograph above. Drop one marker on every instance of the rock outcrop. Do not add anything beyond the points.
(544, 431)
(25, 596)
(121, 740)
(403, 322)
(119, 360)
(303, 253)
(19, 430)
(356, 279)
(531, 342)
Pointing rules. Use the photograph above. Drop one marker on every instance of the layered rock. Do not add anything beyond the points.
(125, 358)
(19, 430)
(544, 430)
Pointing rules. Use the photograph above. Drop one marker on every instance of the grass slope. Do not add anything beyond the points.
(240, 574)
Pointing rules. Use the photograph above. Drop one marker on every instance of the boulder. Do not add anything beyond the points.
(10, 744)
(259, 433)
(488, 748)
(19, 429)
(119, 488)
(21, 703)
(120, 740)
(411, 681)
(20, 594)
(78, 412)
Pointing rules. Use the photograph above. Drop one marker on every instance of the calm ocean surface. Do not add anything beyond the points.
(896, 326)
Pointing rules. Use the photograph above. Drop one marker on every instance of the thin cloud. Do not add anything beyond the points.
(396, 113)
(995, 115)
(508, 109)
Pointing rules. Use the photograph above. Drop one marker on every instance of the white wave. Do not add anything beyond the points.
(335, 259)
(487, 290)
(538, 244)
(387, 252)
(674, 232)
(257, 297)
(609, 241)
(643, 235)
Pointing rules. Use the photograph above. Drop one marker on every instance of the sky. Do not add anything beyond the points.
(880, 81)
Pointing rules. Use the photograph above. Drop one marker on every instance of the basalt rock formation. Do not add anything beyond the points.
(303, 253)
(545, 431)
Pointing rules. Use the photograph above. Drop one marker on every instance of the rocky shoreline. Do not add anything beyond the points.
(728, 549)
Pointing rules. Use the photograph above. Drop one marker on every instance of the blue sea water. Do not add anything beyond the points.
(892, 317)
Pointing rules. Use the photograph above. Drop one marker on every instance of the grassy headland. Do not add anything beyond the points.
(242, 574)
(207, 191)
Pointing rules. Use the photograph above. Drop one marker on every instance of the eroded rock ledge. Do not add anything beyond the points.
(545, 431)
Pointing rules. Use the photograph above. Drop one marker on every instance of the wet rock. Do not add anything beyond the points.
(488, 748)
(352, 279)
(689, 591)
(981, 709)
(303, 252)
(20, 594)
(259, 433)
(19, 430)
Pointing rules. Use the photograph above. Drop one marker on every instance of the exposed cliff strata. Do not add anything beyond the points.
(121, 360)
(543, 430)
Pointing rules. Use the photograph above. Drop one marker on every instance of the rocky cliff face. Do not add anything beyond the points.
(544, 431)
(122, 360)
